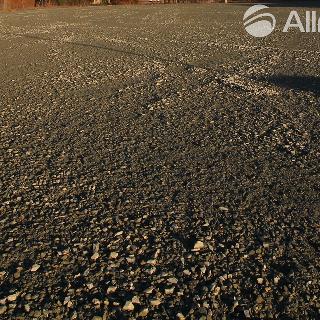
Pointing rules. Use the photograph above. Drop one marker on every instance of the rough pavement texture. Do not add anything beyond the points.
(157, 162)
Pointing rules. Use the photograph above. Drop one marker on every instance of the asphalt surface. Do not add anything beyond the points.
(158, 162)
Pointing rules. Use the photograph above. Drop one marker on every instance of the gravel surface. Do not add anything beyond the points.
(157, 162)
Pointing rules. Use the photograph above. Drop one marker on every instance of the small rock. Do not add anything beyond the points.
(276, 280)
(246, 313)
(96, 247)
(152, 262)
(37, 314)
(131, 259)
(169, 290)
(235, 304)
(198, 245)
(66, 300)
(3, 309)
(27, 307)
(128, 306)
(113, 255)
(90, 286)
(35, 267)
(260, 280)
(216, 291)
(155, 302)
(259, 300)
(135, 300)
(180, 316)
(187, 272)
(13, 297)
(111, 289)
(27, 297)
(95, 256)
(144, 312)
(148, 290)
(173, 280)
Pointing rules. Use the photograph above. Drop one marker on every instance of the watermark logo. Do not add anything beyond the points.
(312, 23)
(259, 24)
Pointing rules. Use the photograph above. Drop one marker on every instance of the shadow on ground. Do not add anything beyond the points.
(304, 83)
(188, 66)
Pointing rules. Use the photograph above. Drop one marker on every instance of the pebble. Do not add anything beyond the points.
(113, 255)
(128, 306)
(96, 247)
(246, 313)
(3, 309)
(135, 300)
(13, 297)
(155, 302)
(276, 280)
(259, 300)
(152, 262)
(35, 267)
(173, 280)
(111, 290)
(187, 272)
(169, 290)
(27, 297)
(260, 280)
(198, 245)
(131, 259)
(95, 256)
(144, 312)
(37, 314)
(180, 316)
(216, 291)
(90, 286)
(148, 290)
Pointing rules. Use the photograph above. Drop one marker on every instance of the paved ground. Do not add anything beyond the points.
(157, 161)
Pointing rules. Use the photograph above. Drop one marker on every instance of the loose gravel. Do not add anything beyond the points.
(157, 162)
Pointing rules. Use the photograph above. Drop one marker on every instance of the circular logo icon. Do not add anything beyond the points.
(257, 24)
